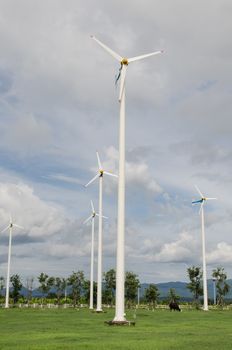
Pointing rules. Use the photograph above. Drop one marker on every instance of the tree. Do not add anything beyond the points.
(172, 296)
(195, 285)
(16, 287)
(110, 286)
(86, 289)
(29, 286)
(46, 283)
(221, 285)
(151, 295)
(60, 284)
(2, 284)
(76, 281)
(131, 287)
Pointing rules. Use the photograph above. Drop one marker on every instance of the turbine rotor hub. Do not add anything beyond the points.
(124, 61)
(101, 172)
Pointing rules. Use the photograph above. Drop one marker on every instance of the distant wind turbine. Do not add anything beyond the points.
(120, 265)
(202, 201)
(10, 227)
(92, 218)
(99, 175)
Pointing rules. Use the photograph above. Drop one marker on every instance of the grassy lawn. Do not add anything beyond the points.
(53, 329)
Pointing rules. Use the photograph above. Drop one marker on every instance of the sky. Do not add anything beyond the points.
(59, 105)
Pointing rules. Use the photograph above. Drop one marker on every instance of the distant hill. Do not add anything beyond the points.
(181, 289)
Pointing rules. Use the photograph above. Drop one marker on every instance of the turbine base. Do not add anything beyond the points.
(120, 323)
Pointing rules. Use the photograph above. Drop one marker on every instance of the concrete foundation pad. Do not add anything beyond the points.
(120, 323)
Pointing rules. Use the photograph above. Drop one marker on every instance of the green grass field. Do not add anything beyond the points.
(54, 329)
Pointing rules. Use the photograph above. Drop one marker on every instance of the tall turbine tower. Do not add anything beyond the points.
(99, 175)
(202, 200)
(120, 265)
(10, 227)
(92, 218)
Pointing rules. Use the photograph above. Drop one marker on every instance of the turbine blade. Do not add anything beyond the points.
(106, 48)
(5, 229)
(110, 174)
(133, 59)
(197, 201)
(199, 191)
(92, 180)
(122, 81)
(210, 198)
(99, 162)
(92, 207)
(18, 226)
(104, 217)
(87, 220)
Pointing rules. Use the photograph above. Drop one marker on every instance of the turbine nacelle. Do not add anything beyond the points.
(93, 215)
(124, 63)
(100, 172)
(202, 199)
(11, 225)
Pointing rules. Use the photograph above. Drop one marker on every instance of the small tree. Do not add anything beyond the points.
(151, 295)
(60, 285)
(131, 287)
(46, 283)
(221, 285)
(110, 286)
(16, 287)
(2, 284)
(195, 285)
(86, 289)
(172, 296)
(29, 286)
(76, 281)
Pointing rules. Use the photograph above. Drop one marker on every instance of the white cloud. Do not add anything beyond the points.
(221, 255)
(137, 172)
(38, 217)
(181, 250)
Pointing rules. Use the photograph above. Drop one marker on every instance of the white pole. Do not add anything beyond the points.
(8, 269)
(119, 302)
(205, 308)
(138, 296)
(99, 265)
(91, 267)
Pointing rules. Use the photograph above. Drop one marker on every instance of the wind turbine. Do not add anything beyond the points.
(202, 201)
(120, 265)
(92, 218)
(10, 227)
(99, 175)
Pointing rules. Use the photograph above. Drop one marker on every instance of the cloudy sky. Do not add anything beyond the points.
(59, 104)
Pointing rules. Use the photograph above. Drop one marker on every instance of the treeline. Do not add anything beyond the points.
(75, 289)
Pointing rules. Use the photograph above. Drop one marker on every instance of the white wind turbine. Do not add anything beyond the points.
(120, 265)
(202, 200)
(92, 218)
(99, 175)
(10, 227)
